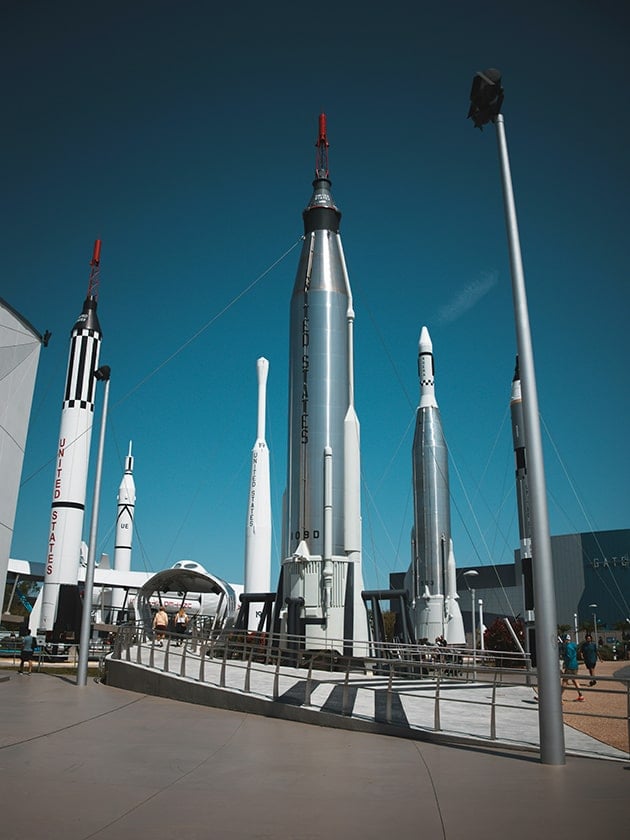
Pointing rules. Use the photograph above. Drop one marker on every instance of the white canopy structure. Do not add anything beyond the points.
(20, 345)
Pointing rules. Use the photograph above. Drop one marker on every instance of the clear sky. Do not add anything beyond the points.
(182, 134)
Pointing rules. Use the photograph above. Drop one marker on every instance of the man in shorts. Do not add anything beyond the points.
(26, 654)
(570, 669)
(588, 649)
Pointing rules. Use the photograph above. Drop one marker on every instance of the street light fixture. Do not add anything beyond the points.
(472, 573)
(486, 98)
(102, 375)
(594, 607)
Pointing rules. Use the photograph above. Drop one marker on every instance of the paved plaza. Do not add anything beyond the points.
(104, 762)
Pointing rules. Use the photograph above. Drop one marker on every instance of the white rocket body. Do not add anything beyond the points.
(72, 462)
(258, 526)
(453, 622)
(124, 525)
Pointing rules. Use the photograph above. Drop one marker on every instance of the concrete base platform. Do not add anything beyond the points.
(102, 762)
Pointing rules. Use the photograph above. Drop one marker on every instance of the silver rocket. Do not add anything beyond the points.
(258, 525)
(431, 575)
(321, 571)
(73, 453)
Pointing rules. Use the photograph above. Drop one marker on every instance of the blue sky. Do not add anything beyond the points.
(183, 137)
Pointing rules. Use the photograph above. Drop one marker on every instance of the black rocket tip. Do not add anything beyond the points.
(517, 374)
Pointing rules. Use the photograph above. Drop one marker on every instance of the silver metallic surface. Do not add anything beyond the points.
(318, 391)
(322, 523)
(549, 707)
(432, 512)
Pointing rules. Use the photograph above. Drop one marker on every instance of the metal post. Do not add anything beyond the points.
(575, 627)
(472, 573)
(594, 607)
(473, 610)
(86, 617)
(549, 706)
(483, 643)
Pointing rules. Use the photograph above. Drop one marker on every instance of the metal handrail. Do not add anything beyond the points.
(412, 667)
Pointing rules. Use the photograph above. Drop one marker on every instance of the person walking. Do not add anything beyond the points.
(570, 669)
(181, 623)
(589, 654)
(160, 625)
(29, 643)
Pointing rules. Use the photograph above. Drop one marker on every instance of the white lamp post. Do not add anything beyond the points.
(472, 573)
(481, 627)
(594, 607)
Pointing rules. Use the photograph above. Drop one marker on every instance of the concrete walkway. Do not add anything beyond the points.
(464, 710)
(107, 763)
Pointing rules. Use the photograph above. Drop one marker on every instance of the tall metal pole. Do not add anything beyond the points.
(481, 638)
(472, 573)
(474, 631)
(550, 703)
(102, 373)
(575, 627)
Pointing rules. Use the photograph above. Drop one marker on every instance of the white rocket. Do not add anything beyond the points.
(124, 517)
(431, 575)
(73, 454)
(258, 525)
(321, 572)
(124, 528)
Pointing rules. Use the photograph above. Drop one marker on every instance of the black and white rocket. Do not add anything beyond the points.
(430, 580)
(321, 573)
(522, 504)
(258, 525)
(73, 453)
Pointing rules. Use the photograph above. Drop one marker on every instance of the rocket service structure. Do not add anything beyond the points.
(73, 453)
(430, 580)
(321, 578)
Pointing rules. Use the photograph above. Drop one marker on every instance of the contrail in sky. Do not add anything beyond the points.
(468, 297)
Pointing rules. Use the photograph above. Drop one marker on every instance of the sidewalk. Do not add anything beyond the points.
(111, 764)
(463, 714)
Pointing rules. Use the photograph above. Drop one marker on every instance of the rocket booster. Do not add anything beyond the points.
(431, 540)
(258, 526)
(432, 517)
(73, 453)
(322, 525)
(124, 517)
(518, 440)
